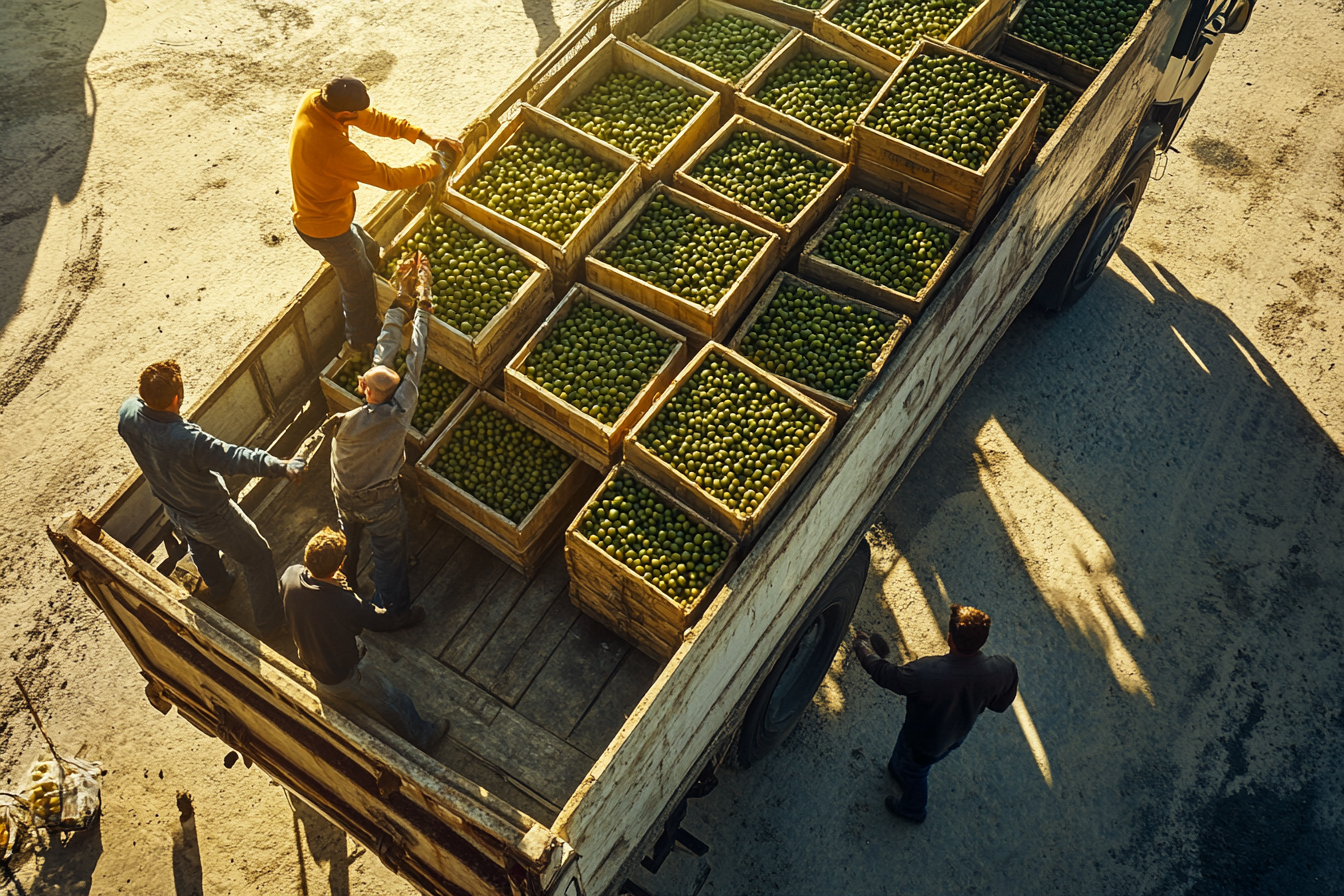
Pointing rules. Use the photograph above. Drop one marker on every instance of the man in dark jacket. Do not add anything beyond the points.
(326, 618)
(944, 696)
(185, 468)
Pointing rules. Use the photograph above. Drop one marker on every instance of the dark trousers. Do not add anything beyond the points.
(912, 773)
(383, 513)
(354, 256)
(231, 531)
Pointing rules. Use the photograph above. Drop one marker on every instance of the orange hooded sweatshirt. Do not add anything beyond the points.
(327, 168)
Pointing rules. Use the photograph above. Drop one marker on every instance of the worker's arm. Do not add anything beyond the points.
(355, 164)
(209, 453)
(1009, 694)
(389, 340)
(375, 619)
(408, 393)
(380, 124)
(898, 679)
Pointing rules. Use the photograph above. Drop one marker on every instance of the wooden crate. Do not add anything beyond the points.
(615, 595)
(712, 323)
(1059, 83)
(927, 181)
(819, 270)
(743, 527)
(1077, 75)
(612, 55)
(978, 32)
(821, 141)
(788, 13)
(523, 545)
(563, 258)
(339, 400)
(706, 9)
(791, 233)
(595, 442)
(841, 407)
(478, 359)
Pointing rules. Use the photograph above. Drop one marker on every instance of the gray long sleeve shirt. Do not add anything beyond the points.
(368, 447)
(183, 463)
(945, 694)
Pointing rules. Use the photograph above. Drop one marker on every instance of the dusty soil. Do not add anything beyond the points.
(1142, 491)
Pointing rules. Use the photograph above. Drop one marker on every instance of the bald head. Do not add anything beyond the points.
(379, 384)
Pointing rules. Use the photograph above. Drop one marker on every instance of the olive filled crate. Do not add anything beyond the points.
(744, 527)
(615, 595)
(930, 182)
(595, 442)
(614, 56)
(522, 545)
(562, 257)
(791, 232)
(841, 407)
(827, 273)
(800, 17)
(979, 32)
(1056, 82)
(682, 16)
(711, 323)
(339, 399)
(477, 359)
(1078, 75)
(826, 143)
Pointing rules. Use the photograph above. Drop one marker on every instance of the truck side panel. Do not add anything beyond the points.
(668, 737)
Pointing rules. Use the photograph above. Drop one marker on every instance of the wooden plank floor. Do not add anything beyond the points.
(533, 689)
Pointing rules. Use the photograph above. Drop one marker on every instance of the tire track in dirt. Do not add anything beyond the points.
(80, 276)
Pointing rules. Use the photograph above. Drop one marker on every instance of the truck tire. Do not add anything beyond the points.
(1100, 233)
(787, 691)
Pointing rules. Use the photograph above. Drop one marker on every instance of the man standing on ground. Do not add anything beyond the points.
(183, 466)
(368, 447)
(944, 696)
(326, 618)
(327, 169)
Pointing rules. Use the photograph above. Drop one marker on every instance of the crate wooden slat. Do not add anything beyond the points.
(614, 594)
(564, 257)
(820, 270)
(928, 181)
(825, 143)
(523, 545)
(612, 55)
(841, 407)
(788, 13)
(712, 323)
(595, 442)
(791, 232)
(705, 9)
(1078, 74)
(744, 527)
(339, 400)
(478, 359)
(979, 31)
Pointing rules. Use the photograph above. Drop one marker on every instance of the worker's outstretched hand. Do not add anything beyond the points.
(405, 281)
(424, 282)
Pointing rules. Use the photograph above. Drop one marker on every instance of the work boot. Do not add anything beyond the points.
(408, 618)
(437, 731)
(894, 807)
(363, 354)
(216, 596)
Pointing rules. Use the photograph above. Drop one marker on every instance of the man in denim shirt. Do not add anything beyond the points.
(185, 468)
(368, 449)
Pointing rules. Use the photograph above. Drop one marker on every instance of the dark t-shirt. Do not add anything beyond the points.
(324, 620)
(946, 694)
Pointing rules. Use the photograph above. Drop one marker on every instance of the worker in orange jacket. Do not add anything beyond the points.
(327, 169)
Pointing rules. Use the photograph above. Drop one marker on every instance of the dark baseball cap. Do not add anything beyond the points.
(345, 94)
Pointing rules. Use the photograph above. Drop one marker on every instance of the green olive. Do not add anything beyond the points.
(500, 462)
(542, 183)
(684, 252)
(766, 175)
(597, 360)
(728, 47)
(807, 337)
(886, 246)
(897, 25)
(730, 433)
(1058, 102)
(633, 113)
(1087, 30)
(828, 94)
(659, 543)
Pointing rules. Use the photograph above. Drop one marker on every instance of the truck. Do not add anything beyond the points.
(571, 755)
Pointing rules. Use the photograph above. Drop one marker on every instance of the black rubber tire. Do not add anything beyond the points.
(1086, 254)
(787, 691)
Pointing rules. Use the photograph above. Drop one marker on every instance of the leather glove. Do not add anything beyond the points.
(295, 468)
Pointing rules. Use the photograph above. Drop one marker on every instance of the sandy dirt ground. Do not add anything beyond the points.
(1144, 491)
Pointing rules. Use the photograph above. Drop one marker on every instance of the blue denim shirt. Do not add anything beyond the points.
(183, 463)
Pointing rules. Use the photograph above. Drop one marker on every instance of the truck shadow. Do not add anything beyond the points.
(1152, 518)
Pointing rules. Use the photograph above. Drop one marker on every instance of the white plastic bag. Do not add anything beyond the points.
(13, 819)
(64, 794)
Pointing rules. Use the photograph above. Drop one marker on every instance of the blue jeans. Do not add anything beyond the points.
(372, 691)
(383, 513)
(912, 773)
(354, 256)
(231, 531)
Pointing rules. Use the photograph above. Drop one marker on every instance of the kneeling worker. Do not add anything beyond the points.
(325, 618)
(368, 449)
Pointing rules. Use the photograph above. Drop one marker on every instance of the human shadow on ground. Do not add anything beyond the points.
(57, 868)
(47, 111)
(326, 845)
(542, 14)
(1153, 520)
(187, 872)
